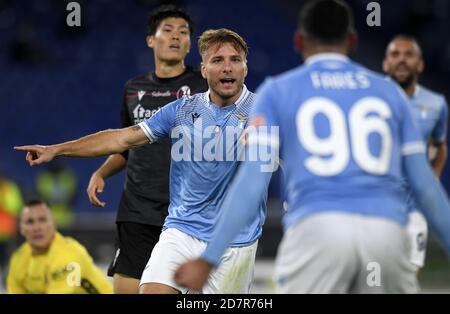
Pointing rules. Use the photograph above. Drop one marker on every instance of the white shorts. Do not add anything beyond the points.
(336, 252)
(417, 229)
(234, 274)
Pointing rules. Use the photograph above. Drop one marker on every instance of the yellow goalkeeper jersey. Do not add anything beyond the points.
(66, 268)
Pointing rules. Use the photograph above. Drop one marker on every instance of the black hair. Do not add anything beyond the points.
(164, 12)
(35, 202)
(326, 21)
(409, 38)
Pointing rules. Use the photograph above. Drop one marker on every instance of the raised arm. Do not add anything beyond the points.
(99, 144)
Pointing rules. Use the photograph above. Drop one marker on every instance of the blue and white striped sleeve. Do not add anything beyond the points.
(160, 124)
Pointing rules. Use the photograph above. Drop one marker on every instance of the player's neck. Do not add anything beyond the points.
(324, 49)
(39, 251)
(411, 88)
(168, 70)
(223, 102)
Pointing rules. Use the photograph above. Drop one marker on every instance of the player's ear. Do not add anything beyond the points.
(150, 41)
(22, 233)
(421, 66)
(203, 70)
(189, 46)
(352, 39)
(385, 65)
(246, 68)
(299, 42)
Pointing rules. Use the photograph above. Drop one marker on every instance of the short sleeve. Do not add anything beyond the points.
(440, 131)
(160, 124)
(410, 139)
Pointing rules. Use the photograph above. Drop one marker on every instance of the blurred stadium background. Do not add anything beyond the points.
(59, 83)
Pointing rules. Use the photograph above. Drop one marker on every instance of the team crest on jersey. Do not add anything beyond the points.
(424, 109)
(183, 91)
(241, 119)
(141, 94)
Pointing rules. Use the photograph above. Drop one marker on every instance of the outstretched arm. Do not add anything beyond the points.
(99, 144)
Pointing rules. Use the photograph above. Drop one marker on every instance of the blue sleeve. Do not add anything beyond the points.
(440, 131)
(429, 194)
(160, 124)
(242, 202)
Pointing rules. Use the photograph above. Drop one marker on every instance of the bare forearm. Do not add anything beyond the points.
(441, 158)
(111, 166)
(94, 145)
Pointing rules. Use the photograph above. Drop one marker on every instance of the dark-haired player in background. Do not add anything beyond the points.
(145, 198)
(404, 63)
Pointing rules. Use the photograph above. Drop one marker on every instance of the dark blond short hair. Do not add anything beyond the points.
(221, 36)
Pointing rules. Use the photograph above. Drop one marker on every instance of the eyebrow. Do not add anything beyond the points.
(171, 25)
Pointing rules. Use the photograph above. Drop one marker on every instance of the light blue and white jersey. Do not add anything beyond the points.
(430, 112)
(204, 160)
(342, 133)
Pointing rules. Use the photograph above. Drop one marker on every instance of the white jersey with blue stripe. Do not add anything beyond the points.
(343, 130)
(203, 161)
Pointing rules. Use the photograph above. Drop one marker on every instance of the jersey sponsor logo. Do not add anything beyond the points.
(60, 274)
(167, 93)
(140, 113)
(183, 91)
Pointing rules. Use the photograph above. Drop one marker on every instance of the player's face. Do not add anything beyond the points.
(403, 61)
(171, 42)
(225, 69)
(37, 227)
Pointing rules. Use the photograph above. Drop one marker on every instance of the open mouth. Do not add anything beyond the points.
(174, 47)
(227, 82)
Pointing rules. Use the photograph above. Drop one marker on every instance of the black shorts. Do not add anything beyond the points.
(134, 245)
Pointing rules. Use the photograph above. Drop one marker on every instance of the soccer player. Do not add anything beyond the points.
(49, 262)
(145, 198)
(403, 62)
(345, 135)
(204, 129)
